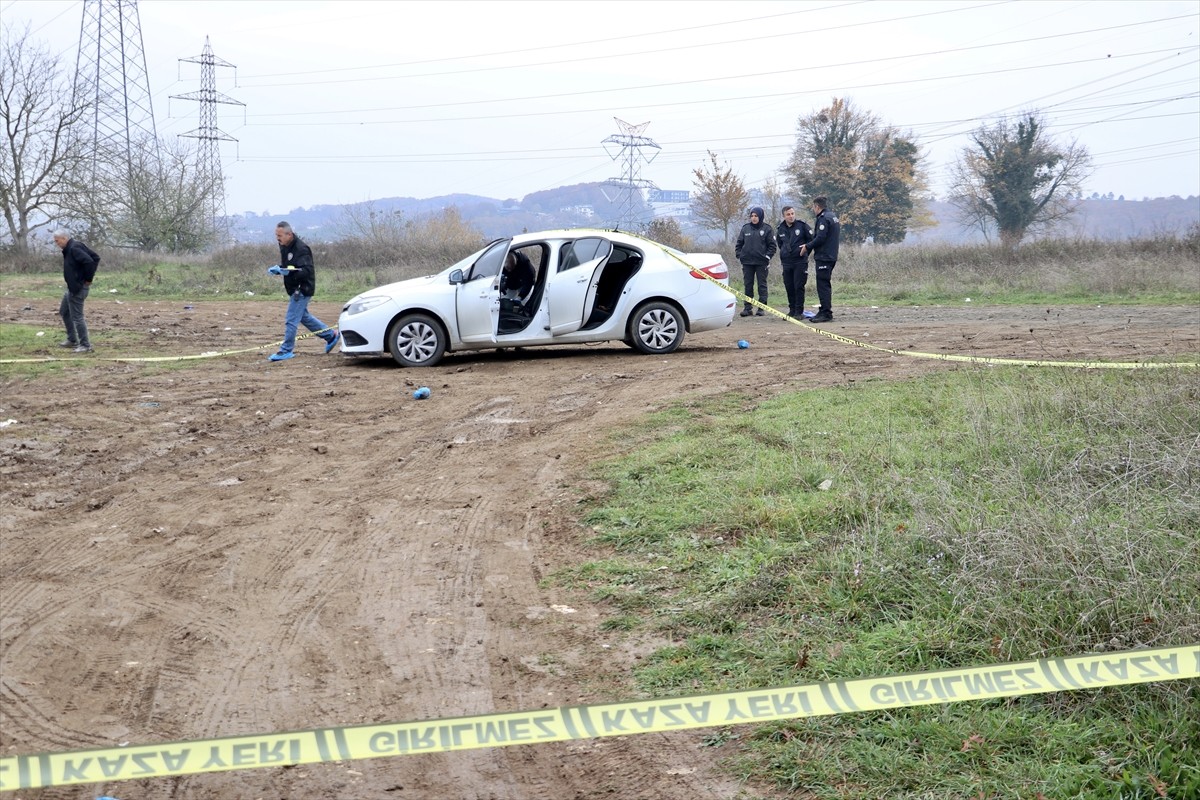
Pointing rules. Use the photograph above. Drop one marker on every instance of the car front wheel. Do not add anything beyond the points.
(417, 340)
(656, 328)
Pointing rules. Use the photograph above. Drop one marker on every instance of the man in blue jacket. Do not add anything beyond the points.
(754, 249)
(79, 270)
(824, 248)
(300, 281)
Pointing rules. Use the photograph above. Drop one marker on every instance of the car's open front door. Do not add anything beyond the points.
(477, 299)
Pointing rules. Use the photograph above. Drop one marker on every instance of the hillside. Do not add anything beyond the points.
(589, 204)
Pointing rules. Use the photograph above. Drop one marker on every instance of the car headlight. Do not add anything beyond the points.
(365, 304)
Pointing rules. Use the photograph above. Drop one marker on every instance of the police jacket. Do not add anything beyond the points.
(79, 265)
(298, 255)
(755, 245)
(789, 241)
(824, 243)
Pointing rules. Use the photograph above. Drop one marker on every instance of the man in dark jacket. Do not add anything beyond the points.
(824, 248)
(79, 269)
(791, 236)
(754, 249)
(517, 278)
(300, 281)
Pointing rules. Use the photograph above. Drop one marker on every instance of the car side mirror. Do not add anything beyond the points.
(456, 276)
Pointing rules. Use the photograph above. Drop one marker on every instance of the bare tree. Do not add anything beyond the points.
(162, 202)
(1016, 180)
(721, 196)
(772, 194)
(38, 108)
(367, 222)
(666, 230)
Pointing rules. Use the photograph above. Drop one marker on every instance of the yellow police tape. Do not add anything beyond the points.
(1021, 362)
(601, 720)
(133, 359)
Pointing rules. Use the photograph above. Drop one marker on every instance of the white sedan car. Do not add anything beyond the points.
(588, 286)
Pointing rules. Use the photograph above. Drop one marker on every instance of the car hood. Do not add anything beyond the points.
(404, 287)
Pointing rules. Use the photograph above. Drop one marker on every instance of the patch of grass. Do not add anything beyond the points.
(1146, 271)
(971, 517)
(20, 341)
(187, 281)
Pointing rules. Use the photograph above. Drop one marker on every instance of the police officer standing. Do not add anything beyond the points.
(754, 248)
(791, 236)
(824, 248)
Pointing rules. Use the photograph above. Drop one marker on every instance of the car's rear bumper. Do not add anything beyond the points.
(712, 313)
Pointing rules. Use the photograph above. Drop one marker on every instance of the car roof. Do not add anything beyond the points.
(620, 237)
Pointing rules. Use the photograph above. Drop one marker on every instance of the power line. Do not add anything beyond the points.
(736, 99)
(758, 38)
(748, 76)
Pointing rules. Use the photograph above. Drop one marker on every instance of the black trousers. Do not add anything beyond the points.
(795, 278)
(824, 289)
(749, 275)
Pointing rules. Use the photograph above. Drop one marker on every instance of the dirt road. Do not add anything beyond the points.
(239, 547)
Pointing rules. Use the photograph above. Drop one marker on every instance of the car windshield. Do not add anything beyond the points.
(489, 260)
(465, 264)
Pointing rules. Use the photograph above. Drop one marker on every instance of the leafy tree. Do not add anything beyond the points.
(38, 108)
(1016, 180)
(720, 197)
(871, 173)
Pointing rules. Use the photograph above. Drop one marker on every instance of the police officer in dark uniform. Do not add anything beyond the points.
(791, 236)
(824, 248)
(754, 248)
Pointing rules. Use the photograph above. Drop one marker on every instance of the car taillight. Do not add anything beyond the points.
(717, 271)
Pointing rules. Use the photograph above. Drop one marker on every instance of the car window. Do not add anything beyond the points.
(488, 264)
(582, 251)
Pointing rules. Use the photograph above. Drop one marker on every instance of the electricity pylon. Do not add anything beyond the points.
(628, 146)
(111, 68)
(208, 155)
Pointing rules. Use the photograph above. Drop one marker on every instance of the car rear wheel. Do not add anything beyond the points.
(417, 340)
(656, 328)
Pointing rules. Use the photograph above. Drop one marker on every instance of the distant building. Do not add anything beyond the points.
(669, 196)
(585, 211)
(676, 210)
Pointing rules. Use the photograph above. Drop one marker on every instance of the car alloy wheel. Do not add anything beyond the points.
(417, 340)
(656, 328)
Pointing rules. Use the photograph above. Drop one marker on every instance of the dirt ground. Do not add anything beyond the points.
(241, 547)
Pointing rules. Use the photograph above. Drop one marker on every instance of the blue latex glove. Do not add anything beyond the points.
(275, 270)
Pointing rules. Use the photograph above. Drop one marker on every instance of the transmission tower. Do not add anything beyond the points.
(208, 156)
(627, 146)
(111, 68)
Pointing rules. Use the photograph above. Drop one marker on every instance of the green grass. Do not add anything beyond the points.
(21, 341)
(969, 518)
(1144, 271)
(178, 281)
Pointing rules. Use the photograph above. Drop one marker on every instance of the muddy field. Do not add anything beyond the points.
(241, 547)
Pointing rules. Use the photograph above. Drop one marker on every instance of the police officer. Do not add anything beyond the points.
(791, 236)
(754, 249)
(824, 248)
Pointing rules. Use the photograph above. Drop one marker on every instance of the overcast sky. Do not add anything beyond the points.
(348, 101)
